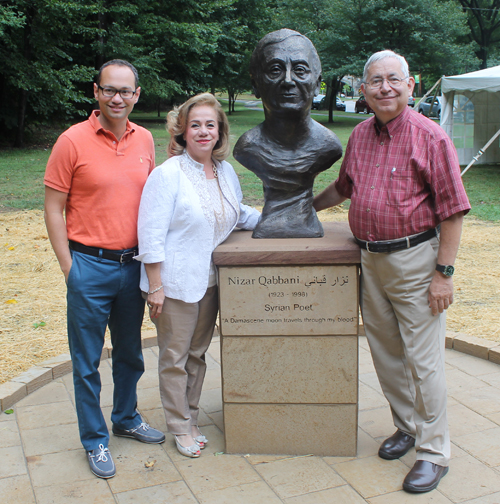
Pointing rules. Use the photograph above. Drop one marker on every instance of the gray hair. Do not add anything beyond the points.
(383, 55)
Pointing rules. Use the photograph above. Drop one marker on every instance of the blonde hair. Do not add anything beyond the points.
(177, 123)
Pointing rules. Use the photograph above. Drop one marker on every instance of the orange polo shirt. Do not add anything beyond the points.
(103, 178)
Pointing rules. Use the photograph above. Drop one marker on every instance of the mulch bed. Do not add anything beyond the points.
(33, 292)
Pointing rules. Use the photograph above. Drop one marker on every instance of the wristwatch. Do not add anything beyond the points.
(445, 270)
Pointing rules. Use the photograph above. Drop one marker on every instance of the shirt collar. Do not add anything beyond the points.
(393, 126)
(94, 120)
(195, 164)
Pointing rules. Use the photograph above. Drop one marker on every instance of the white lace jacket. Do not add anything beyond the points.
(176, 227)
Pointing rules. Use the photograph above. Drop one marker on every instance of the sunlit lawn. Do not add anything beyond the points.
(21, 170)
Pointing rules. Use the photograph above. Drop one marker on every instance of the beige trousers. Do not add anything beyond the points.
(407, 344)
(184, 334)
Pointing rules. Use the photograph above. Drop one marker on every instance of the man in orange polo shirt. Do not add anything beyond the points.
(95, 176)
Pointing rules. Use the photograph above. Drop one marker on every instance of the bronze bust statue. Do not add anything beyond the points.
(288, 149)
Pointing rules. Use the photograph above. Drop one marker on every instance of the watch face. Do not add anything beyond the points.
(446, 270)
(449, 270)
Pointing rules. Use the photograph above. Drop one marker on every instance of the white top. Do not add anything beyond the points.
(177, 223)
(224, 214)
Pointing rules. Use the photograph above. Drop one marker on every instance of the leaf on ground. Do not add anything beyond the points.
(9, 411)
(150, 463)
(11, 301)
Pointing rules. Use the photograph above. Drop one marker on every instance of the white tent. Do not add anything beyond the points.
(470, 113)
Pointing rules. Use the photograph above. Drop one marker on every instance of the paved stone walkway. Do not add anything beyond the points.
(42, 461)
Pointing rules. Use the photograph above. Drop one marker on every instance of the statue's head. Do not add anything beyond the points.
(285, 71)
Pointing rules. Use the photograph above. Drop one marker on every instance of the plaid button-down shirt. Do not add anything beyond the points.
(402, 179)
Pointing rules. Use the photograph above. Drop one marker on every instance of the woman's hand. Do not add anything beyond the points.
(156, 294)
(155, 303)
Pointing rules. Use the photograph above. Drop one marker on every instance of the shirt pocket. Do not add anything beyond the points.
(401, 186)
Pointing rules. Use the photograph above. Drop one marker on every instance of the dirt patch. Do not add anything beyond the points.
(33, 293)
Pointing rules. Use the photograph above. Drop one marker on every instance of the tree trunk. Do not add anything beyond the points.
(99, 59)
(332, 89)
(159, 107)
(230, 96)
(21, 117)
(482, 54)
(23, 93)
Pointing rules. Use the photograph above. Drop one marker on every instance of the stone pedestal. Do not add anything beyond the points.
(289, 344)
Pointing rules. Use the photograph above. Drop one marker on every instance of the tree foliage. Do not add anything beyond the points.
(40, 74)
(483, 18)
(347, 32)
(50, 50)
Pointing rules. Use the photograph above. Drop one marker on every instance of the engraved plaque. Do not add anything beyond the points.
(289, 300)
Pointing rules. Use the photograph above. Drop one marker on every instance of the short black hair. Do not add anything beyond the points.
(119, 62)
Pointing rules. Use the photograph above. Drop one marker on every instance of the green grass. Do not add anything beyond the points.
(21, 177)
(22, 170)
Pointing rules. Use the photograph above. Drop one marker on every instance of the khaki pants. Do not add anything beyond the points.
(407, 344)
(184, 334)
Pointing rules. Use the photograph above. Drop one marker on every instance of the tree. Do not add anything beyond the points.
(39, 76)
(347, 32)
(483, 18)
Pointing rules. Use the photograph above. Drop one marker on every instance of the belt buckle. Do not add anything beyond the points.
(126, 255)
(368, 248)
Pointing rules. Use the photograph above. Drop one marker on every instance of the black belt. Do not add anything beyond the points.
(113, 255)
(394, 245)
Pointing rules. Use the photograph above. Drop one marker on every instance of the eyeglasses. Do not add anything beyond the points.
(377, 83)
(110, 92)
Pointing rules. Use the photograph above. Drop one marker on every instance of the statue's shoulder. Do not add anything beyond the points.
(325, 138)
(250, 141)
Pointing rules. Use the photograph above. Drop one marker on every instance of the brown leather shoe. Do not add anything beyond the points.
(396, 446)
(423, 477)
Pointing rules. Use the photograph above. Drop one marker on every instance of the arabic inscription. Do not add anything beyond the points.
(289, 300)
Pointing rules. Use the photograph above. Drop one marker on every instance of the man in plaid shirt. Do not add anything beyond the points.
(408, 202)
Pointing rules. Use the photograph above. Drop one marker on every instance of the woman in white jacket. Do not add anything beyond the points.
(190, 204)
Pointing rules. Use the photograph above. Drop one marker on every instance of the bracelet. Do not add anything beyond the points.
(156, 290)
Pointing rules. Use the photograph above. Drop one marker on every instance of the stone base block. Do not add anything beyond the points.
(478, 347)
(290, 369)
(11, 393)
(34, 378)
(291, 429)
(494, 355)
(60, 365)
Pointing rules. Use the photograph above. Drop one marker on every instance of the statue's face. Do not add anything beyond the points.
(288, 81)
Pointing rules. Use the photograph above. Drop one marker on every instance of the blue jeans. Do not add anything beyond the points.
(103, 292)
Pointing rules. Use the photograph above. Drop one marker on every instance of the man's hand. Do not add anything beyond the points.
(441, 287)
(66, 270)
(440, 293)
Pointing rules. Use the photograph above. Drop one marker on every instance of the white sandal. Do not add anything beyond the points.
(188, 451)
(201, 441)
